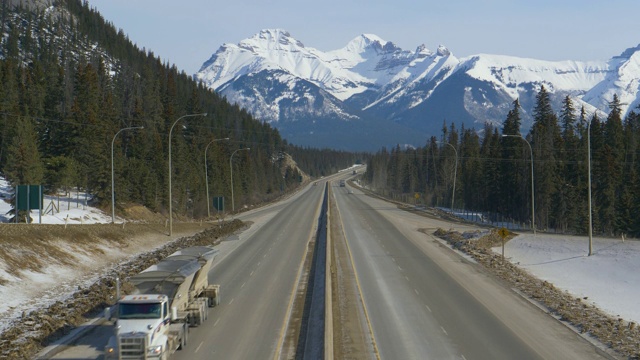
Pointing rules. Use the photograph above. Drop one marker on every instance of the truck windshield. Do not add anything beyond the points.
(140, 311)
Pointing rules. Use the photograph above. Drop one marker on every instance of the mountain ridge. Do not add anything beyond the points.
(373, 78)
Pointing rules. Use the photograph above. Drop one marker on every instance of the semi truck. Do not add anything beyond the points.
(169, 298)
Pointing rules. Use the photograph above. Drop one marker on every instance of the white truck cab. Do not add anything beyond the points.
(144, 329)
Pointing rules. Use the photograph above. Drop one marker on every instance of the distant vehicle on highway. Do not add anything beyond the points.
(342, 183)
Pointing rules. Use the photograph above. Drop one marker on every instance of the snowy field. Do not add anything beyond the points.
(609, 278)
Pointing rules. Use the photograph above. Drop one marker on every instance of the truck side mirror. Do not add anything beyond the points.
(107, 313)
(174, 313)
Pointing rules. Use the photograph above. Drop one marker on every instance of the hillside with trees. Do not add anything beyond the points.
(69, 82)
(492, 169)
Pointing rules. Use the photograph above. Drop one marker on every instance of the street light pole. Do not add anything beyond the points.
(206, 176)
(170, 197)
(113, 193)
(233, 206)
(589, 187)
(455, 173)
(533, 204)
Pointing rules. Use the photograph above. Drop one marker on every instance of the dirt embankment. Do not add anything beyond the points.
(35, 247)
(621, 336)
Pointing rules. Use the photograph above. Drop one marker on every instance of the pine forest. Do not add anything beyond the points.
(76, 93)
(492, 170)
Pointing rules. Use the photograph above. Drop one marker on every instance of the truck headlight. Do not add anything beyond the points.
(109, 350)
(154, 350)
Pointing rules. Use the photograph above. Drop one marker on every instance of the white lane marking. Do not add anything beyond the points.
(243, 284)
(263, 256)
(251, 273)
(463, 358)
(259, 262)
(231, 302)
(428, 308)
(394, 259)
(406, 277)
(216, 323)
(198, 348)
(444, 331)
(416, 292)
(399, 268)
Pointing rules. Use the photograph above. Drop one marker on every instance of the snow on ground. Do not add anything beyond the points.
(58, 209)
(34, 289)
(57, 282)
(610, 278)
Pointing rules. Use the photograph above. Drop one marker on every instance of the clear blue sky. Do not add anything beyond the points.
(186, 33)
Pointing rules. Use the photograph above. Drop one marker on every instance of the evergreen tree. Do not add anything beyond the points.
(546, 140)
(471, 170)
(568, 202)
(515, 183)
(598, 170)
(612, 158)
(24, 166)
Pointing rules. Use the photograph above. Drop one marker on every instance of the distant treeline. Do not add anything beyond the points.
(69, 82)
(493, 172)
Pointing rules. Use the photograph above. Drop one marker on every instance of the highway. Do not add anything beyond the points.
(257, 280)
(257, 272)
(422, 299)
(425, 301)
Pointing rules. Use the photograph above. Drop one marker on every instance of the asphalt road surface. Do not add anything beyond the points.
(257, 273)
(424, 301)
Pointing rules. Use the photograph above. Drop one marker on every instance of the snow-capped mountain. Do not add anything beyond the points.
(371, 93)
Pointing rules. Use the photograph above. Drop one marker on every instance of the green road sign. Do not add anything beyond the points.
(29, 197)
(218, 203)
